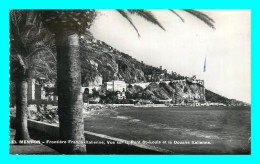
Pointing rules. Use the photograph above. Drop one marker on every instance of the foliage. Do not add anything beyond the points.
(32, 50)
(45, 115)
(32, 44)
(62, 20)
(148, 16)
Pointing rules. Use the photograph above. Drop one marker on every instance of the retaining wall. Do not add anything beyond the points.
(44, 131)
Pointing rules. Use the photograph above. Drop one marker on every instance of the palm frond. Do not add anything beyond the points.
(31, 17)
(42, 49)
(17, 17)
(27, 30)
(126, 16)
(174, 12)
(203, 17)
(147, 15)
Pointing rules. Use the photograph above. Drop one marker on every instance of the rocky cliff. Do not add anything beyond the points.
(180, 91)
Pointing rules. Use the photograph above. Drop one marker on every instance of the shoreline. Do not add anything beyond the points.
(157, 105)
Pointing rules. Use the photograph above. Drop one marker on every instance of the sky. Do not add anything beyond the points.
(183, 47)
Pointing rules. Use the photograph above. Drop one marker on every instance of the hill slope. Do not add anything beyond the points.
(98, 58)
(213, 97)
(101, 60)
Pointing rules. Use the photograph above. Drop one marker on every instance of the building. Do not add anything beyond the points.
(40, 93)
(115, 85)
(39, 89)
(35, 90)
(195, 81)
(155, 77)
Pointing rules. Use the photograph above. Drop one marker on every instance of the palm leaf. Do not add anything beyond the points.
(203, 17)
(126, 16)
(31, 17)
(147, 15)
(33, 42)
(174, 12)
(41, 49)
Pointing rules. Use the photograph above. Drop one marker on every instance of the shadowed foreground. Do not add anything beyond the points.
(29, 149)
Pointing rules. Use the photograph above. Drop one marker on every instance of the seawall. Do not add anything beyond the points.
(44, 131)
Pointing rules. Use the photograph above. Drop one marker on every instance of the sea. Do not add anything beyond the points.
(181, 130)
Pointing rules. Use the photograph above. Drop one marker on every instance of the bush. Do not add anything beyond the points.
(46, 115)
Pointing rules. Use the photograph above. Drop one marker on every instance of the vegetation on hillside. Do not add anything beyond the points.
(214, 97)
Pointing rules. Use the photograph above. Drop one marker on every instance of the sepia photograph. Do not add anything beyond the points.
(130, 82)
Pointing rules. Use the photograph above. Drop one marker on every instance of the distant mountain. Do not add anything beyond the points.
(213, 97)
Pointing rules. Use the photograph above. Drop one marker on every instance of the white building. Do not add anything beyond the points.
(115, 85)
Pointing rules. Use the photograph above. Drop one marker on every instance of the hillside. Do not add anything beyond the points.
(213, 97)
(180, 92)
(100, 59)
